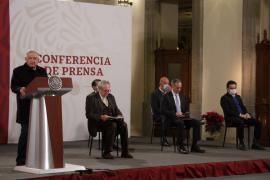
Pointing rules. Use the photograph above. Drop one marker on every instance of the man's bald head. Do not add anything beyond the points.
(164, 84)
(163, 80)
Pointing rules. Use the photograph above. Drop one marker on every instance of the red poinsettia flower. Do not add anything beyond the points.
(213, 122)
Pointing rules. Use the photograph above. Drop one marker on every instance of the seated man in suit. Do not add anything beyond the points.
(94, 85)
(156, 97)
(100, 107)
(236, 114)
(175, 106)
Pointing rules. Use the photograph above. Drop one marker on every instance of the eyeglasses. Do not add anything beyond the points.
(107, 90)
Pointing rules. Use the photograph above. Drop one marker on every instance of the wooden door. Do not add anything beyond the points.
(174, 64)
(263, 88)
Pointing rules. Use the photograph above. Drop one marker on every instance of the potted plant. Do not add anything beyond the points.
(213, 122)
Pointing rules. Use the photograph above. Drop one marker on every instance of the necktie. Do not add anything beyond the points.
(177, 103)
(237, 104)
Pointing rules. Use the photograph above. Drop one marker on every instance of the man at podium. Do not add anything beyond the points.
(103, 115)
(21, 77)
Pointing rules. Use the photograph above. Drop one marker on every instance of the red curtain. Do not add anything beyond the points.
(4, 70)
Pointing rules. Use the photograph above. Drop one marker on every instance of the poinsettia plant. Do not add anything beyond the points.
(213, 122)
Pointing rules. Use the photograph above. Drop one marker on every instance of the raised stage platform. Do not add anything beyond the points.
(149, 155)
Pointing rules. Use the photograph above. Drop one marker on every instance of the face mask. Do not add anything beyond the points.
(166, 88)
(232, 91)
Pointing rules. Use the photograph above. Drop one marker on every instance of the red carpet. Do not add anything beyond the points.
(213, 169)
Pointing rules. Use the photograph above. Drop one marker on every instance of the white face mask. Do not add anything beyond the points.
(232, 91)
(166, 88)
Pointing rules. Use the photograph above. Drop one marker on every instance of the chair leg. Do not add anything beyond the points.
(152, 133)
(117, 143)
(248, 137)
(237, 141)
(99, 140)
(174, 144)
(224, 138)
(101, 145)
(90, 147)
(188, 139)
(162, 137)
(89, 140)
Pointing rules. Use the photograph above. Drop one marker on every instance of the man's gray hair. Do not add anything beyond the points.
(102, 83)
(175, 81)
(32, 51)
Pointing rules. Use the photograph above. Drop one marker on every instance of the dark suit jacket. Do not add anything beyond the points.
(156, 98)
(21, 77)
(168, 107)
(229, 108)
(94, 108)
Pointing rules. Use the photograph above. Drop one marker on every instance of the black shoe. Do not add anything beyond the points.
(107, 156)
(181, 149)
(115, 147)
(256, 146)
(126, 155)
(242, 147)
(20, 163)
(197, 149)
(165, 142)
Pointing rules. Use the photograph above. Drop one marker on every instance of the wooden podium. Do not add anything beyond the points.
(45, 134)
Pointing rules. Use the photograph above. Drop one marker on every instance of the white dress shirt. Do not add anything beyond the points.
(178, 98)
(104, 100)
